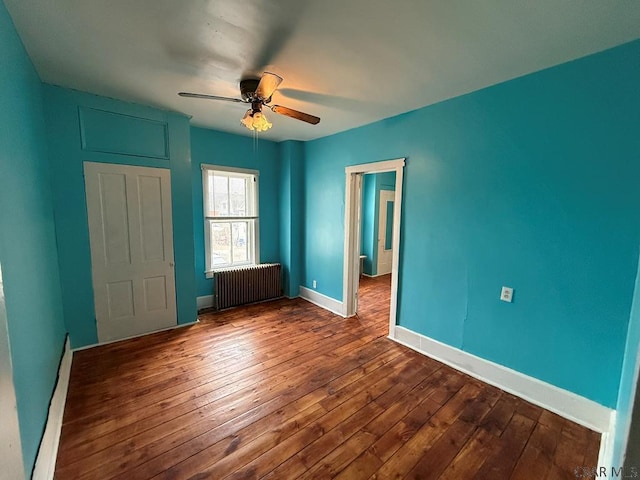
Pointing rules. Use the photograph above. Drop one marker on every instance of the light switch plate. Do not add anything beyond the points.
(506, 295)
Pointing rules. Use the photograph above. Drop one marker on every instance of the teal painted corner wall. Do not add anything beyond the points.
(69, 147)
(220, 148)
(533, 184)
(368, 223)
(291, 208)
(372, 184)
(27, 242)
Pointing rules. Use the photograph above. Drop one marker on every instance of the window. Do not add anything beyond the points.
(230, 216)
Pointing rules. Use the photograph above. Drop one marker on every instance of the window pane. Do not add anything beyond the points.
(221, 196)
(220, 243)
(238, 196)
(208, 195)
(240, 242)
(231, 240)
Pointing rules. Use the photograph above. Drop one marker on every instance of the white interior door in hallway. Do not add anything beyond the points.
(131, 236)
(385, 232)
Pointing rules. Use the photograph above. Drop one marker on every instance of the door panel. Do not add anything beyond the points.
(385, 230)
(113, 197)
(120, 298)
(130, 230)
(155, 293)
(151, 228)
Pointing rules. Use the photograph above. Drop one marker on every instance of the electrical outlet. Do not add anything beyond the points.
(315, 284)
(506, 295)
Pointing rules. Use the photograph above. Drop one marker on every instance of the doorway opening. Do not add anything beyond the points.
(387, 239)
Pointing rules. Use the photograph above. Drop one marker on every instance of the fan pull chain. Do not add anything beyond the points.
(255, 142)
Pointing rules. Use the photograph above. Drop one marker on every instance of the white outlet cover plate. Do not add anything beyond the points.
(506, 295)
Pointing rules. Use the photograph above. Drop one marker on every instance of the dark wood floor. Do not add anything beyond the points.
(286, 390)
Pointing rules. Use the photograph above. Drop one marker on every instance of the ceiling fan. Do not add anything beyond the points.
(258, 92)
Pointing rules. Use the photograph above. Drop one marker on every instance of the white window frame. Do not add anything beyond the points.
(254, 256)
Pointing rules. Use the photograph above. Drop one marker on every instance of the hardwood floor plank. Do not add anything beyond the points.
(366, 463)
(363, 467)
(271, 352)
(207, 454)
(223, 380)
(436, 459)
(170, 422)
(498, 419)
(502, 460)
(570, 451)
(285, 390)
(545, 439)
(415, 447)
(387, 445)
(532, 464)
(359, 405)
(470, 457)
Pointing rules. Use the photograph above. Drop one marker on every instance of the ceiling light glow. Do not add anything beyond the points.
(255, 120)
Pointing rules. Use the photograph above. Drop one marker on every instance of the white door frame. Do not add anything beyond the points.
(353, 204)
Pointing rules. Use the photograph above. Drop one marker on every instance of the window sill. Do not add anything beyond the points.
(210, 273)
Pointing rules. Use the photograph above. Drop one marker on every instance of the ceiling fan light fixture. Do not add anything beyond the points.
(258, 93)
(256, 121)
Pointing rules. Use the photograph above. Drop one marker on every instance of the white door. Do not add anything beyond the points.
(385, 232)
(131, 236)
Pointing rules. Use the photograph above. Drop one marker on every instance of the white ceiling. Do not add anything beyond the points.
(350, 62)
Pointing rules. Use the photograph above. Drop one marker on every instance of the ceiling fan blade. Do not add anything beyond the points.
(210, 97)
(289, 112)
(268, 84)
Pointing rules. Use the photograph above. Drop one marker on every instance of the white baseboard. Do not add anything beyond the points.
(321, 300)
(48, 451)
(605, 454)
(566, 404)
(206, 301)
(99, 344)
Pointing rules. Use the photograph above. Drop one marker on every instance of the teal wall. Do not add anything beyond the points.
(219, 148)
(27, 241)
(84, 127)
(371, 186)
(368, 224)
(533, 184)
(291, 207)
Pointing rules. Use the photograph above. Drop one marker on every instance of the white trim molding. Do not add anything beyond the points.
(605, 454)
(224, 168)
(353, 205)
(567, 404)
(48, 451)
(206, 301)
(253, 220)
(322, 301)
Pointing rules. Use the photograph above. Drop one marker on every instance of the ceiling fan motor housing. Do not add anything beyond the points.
(248, 88)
